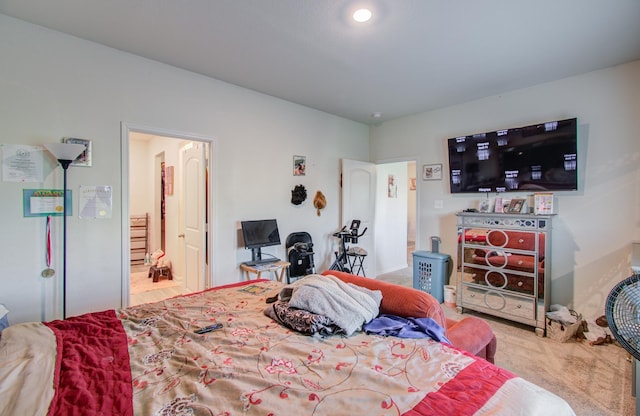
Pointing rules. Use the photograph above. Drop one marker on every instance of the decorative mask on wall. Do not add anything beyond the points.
(319, 202)
(298, 195)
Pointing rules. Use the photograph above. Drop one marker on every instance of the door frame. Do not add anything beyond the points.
(125, 130)
(416, 160)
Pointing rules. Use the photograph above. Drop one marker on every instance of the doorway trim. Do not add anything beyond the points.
(125, 130)
(416, 160)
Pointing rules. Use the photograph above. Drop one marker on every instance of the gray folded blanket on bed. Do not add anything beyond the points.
(349, 306)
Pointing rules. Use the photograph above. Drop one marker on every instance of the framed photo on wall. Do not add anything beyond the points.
(299, 165)
(432, 172)
(85, 157)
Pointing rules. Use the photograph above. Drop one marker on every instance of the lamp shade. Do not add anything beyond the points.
(65, 151)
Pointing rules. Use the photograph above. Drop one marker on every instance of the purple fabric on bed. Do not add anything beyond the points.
(391, 325)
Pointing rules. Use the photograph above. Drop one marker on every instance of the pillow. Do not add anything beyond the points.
(398, 300)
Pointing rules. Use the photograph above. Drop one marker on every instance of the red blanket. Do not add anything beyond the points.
(93, 376)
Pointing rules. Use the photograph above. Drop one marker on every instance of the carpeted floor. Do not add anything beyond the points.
(140, 282)
(594, 380)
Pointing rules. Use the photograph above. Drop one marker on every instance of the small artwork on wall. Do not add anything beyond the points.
(168, 180)
(84, 159)
(432, 172)
(392, 191)
(299, 165)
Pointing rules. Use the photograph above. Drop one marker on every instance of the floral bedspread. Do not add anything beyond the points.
(147, 360)
(253, 366)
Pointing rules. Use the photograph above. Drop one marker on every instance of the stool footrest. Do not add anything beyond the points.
(156, 272)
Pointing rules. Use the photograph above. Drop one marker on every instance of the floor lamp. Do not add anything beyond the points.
(65, 153)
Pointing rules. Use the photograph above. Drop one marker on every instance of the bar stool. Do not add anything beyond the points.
(356, 256)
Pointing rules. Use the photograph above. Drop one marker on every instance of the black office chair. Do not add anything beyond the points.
(300, 254)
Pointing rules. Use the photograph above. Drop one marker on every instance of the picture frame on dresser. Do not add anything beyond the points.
(499, 208)
(516, 205)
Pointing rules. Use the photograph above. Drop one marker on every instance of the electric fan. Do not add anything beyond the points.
(623, 314)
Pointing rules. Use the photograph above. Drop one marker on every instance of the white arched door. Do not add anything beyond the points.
(359, 202)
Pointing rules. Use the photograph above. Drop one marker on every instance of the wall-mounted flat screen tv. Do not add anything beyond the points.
(540, 157)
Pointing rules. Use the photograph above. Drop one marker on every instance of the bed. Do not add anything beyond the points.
(147, 360)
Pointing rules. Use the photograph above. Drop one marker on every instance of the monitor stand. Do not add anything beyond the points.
(256, 255)
(256, 258)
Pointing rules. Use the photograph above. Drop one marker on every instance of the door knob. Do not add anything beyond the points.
(181, 235)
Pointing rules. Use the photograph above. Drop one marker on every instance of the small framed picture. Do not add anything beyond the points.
(484, 205)
(543, 203)
(85, 157)
(432, 172)
(516, 205)
(498, 206)
(392, 190)
(299, 165)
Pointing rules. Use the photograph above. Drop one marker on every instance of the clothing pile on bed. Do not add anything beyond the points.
(325, 305)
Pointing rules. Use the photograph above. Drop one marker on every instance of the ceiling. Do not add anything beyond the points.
(413, 56)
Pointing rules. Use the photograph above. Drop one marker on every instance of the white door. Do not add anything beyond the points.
(194, 204)
(359, 202)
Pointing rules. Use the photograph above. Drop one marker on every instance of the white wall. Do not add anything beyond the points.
(595, 226)
(53, 85)
(141, 189)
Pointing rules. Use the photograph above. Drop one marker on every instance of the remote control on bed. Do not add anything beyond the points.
(209, 328)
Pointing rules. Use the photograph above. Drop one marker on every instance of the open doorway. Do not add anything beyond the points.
(170, 190)
(396, 215)
(385, 195)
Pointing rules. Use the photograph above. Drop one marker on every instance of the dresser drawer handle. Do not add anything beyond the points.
(520, 284)
(521, 241)
(519, 306)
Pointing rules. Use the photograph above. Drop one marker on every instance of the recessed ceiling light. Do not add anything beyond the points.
(376, 115)
(362, 15)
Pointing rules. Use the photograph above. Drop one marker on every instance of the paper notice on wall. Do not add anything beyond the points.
(96, 202)
(21, 163)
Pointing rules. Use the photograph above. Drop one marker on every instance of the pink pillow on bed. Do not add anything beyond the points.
(398, 300)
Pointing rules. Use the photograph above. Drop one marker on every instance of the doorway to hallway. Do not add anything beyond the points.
(157, 185)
